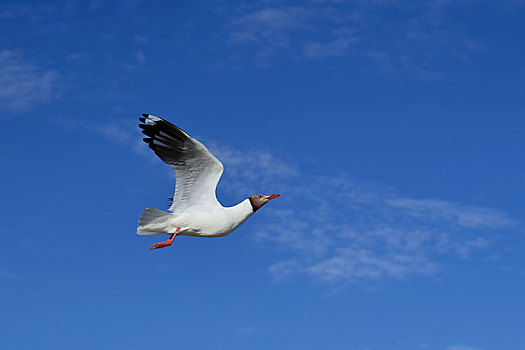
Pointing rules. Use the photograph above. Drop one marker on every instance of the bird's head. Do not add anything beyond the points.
(258, 200)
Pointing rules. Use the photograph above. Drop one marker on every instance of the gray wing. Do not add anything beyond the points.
(197, 171)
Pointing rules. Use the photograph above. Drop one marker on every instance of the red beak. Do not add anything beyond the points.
(273, 196)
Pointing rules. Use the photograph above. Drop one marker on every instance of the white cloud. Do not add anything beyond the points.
(269, 25)
(337, 47)
(338, 231)
(7, 275)
(461, 347)
(251, 171)
(351, 264)
(423, 40)
(24, 84)
(126, 134)
(141, 58)
(465, 216)
(284, 269)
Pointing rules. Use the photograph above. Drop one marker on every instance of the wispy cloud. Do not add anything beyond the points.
(24, 84)
(461, 347)
(251, 170)
(422, 41)
(438, 210)
(249, 330)
(112, 129)
(7, 275)
(338, 47)
(33, 12)
(269, 25)
(335, 230)
(341, 231)
(350, 264)
(268, 30)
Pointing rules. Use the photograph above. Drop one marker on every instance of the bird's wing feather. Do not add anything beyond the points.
(197, 171)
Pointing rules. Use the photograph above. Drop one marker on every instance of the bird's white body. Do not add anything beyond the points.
(215, 221)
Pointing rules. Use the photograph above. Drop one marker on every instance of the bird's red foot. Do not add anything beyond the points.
(166, 243)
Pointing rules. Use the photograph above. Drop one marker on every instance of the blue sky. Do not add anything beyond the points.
(392, 129)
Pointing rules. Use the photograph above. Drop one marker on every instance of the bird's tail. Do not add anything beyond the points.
(152, 221)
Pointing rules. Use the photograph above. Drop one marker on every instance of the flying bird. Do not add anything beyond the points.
(195, 210)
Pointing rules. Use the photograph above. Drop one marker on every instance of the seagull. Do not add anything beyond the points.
(195, 210)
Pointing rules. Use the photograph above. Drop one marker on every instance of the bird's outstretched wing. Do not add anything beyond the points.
(197, 171)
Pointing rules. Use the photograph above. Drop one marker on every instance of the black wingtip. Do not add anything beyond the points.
(147, 139)
(142, 120)
(145, 115)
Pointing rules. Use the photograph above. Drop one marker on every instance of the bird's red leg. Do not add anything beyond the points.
(166, 243)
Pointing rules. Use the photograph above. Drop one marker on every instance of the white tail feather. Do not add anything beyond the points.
(152, 221)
